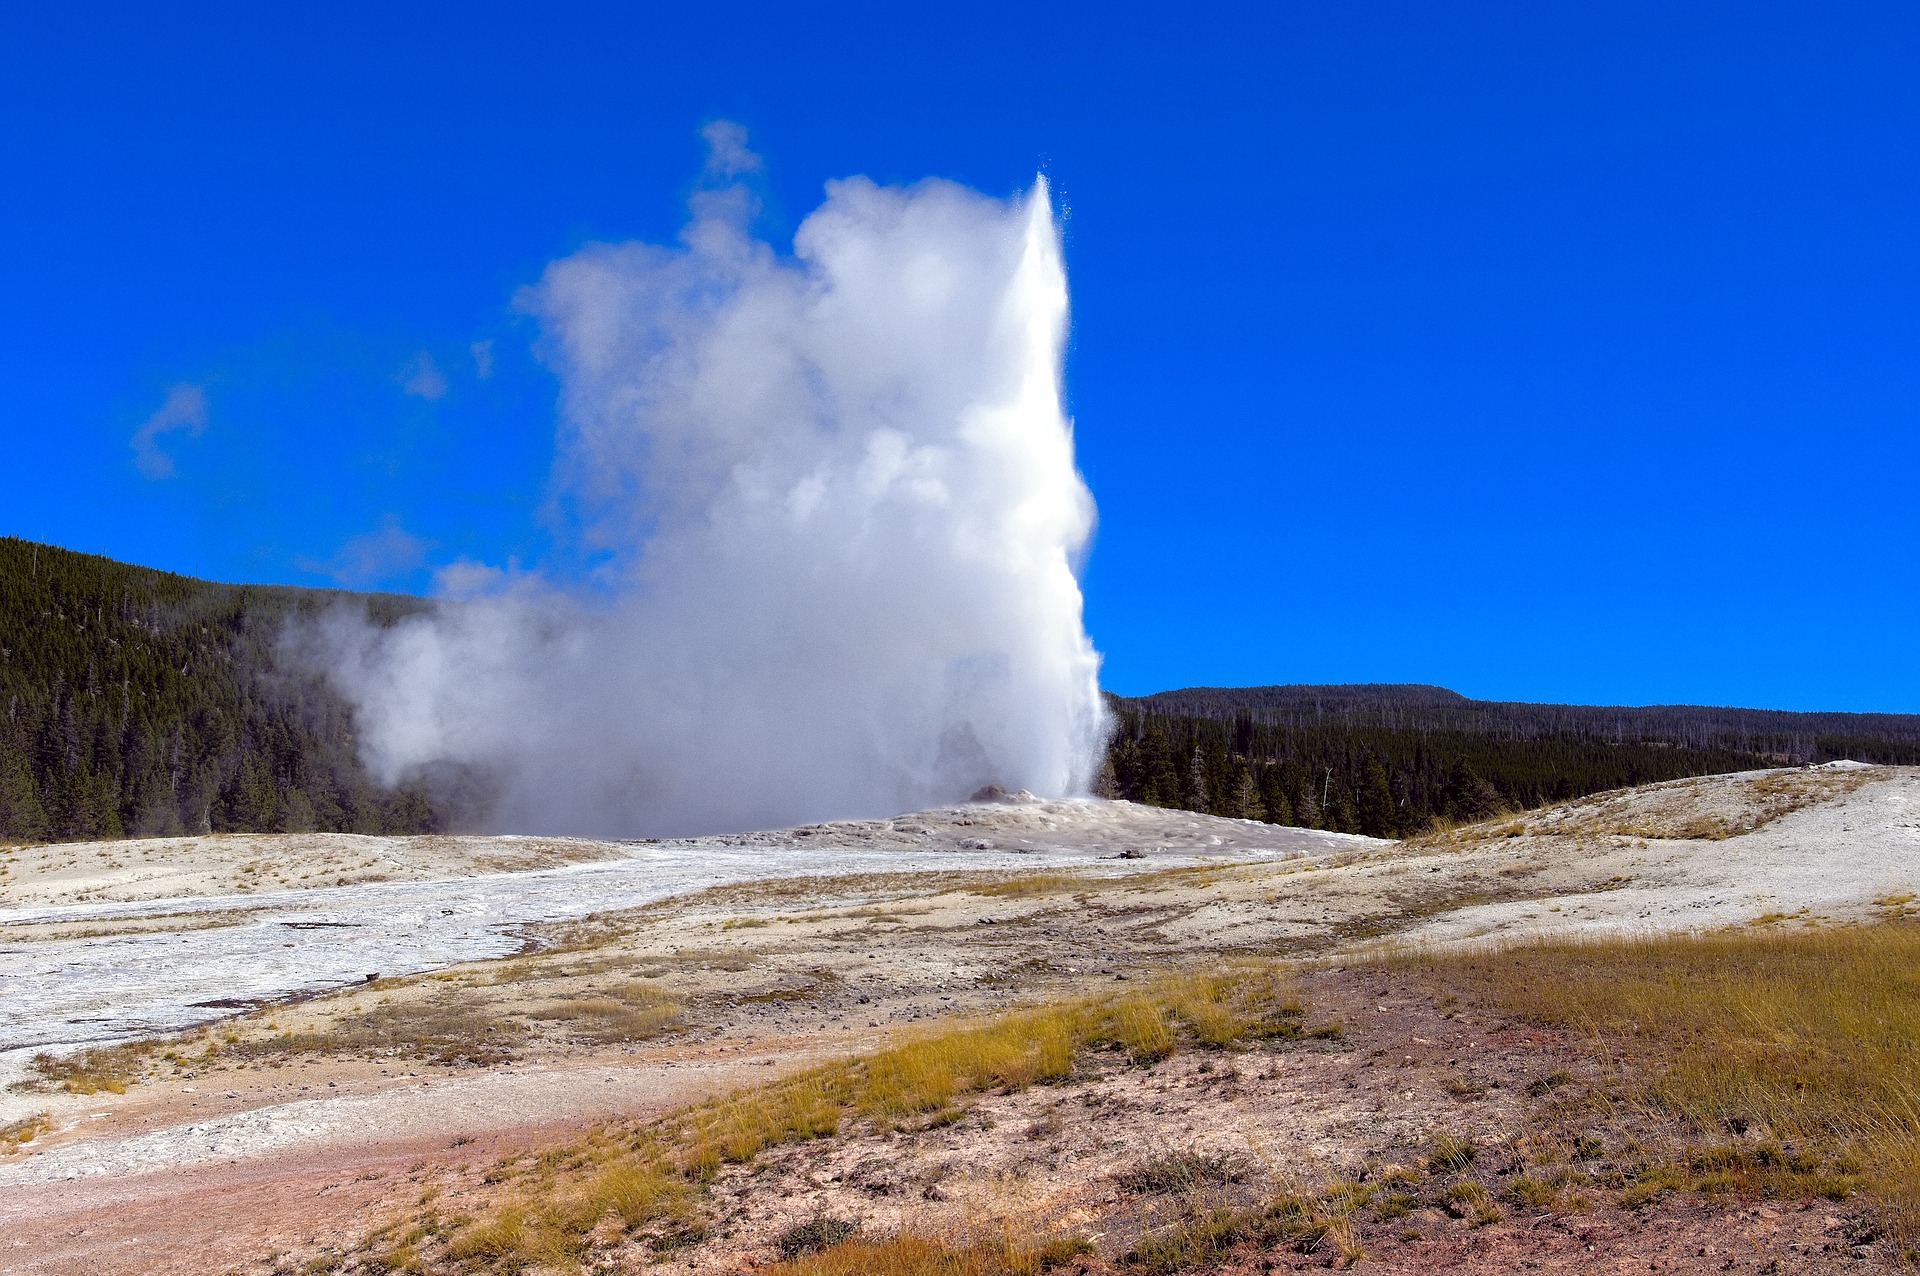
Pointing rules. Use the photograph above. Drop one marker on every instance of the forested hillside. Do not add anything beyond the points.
(143, 703)
(1388, 759)
(138, 702)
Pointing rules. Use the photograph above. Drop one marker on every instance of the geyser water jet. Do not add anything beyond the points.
(839, 494)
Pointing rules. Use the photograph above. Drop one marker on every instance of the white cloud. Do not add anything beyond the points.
(185, 408)
(727, 153)
(422, 377)
(373, 557)
(482, 359)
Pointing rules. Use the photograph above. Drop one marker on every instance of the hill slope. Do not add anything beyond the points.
(141, 702)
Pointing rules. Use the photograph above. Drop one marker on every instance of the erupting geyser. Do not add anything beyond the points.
(840, 494)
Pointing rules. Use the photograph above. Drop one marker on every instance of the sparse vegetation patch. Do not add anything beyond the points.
(558, 1207)
(16, 1134)
(1790, 1059)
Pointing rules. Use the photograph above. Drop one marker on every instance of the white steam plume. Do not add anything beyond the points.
(841, 497)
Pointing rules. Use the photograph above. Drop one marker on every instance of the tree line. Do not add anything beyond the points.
(1351, 773)
(143, 703)
(1780, 736)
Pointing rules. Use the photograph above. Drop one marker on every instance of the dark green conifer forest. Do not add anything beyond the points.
(141, 703)
(1388, 760)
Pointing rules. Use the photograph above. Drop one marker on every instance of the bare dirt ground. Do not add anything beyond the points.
(288, 1132)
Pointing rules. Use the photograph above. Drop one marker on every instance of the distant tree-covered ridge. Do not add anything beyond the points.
(1387, 760)
(141, 703)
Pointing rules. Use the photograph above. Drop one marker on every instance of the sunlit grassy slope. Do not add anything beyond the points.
(1766, 1061)
(1782, 1051)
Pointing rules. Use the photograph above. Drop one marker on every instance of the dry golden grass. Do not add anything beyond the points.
(1030, 885)
(1792, 1058)
(1141, 1024)
(923, 1256)
(456, 1027)
(1441, 831)
(630, 1011)
(773, 891)
(1898, 904)
(101, 1070)
(1208, 1230)
(1707, 809)
(16, 1134)
(461, 1025)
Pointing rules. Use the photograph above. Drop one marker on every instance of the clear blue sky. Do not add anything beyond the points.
(1544, 351)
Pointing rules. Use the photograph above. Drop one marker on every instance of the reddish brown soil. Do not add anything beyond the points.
(207, 1219)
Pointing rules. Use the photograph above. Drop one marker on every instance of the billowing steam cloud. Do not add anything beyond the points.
(841, 498)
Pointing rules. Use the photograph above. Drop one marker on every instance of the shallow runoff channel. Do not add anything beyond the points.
(229, 953)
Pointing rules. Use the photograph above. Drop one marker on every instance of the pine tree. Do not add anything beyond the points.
(1307, 811)
(21, 815)
(297, 814)
(1339, 816)
(1273, 796)
(1161, 785)
(1246, 797)
(1374, 809)
(1463, 761)
(1467, 796)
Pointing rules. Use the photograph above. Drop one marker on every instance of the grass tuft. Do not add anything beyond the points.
(814, 1235)
(1464, 1198)
(104, 1069)
(1183, 1172)
(1203, 1238)
(16, 1134)
(1451, 1153)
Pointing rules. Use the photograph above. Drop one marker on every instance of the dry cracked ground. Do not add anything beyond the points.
(285, 1137)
